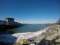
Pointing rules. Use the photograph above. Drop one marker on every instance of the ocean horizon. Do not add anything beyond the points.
(31, 27)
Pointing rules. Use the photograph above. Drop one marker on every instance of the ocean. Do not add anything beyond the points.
(24, 28)
(30, 27)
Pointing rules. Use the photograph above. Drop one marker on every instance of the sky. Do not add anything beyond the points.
(31, 11)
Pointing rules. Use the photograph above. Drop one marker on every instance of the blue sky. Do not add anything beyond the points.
(31, 11)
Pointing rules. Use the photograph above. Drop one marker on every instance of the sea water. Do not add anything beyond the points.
(31, 27)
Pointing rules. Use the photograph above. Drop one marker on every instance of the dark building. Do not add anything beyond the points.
(8, 24)
(10, 19)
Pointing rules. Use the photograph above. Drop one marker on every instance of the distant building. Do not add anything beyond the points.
(9, 23)
(10, 19)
